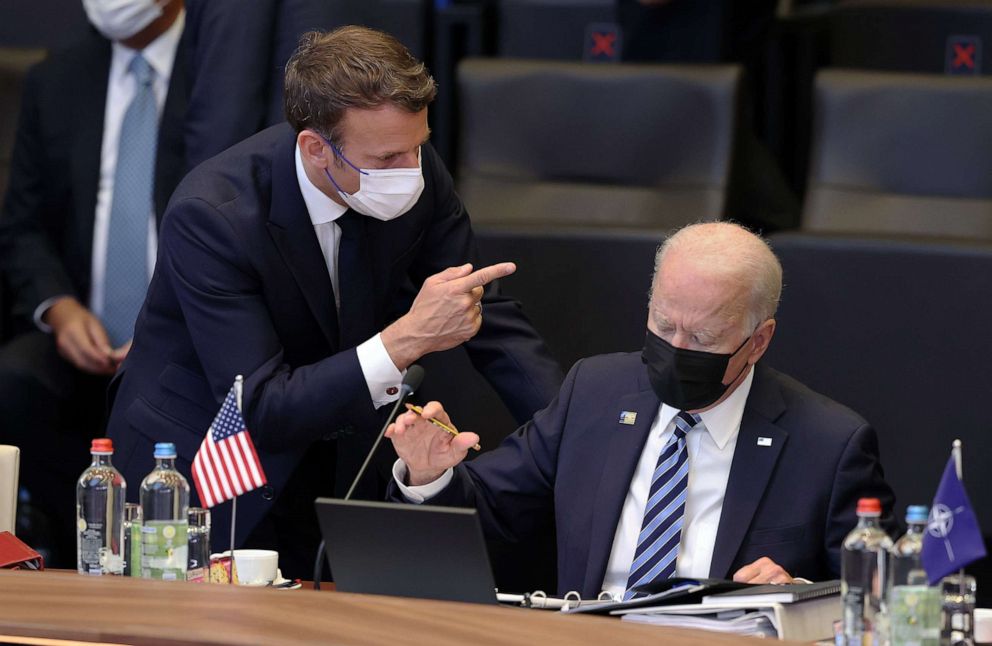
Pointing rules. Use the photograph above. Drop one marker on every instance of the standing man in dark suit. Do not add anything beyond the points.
(97, 155)
(319, 259)
(687, 459)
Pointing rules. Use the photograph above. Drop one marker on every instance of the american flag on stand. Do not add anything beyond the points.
(226, 464)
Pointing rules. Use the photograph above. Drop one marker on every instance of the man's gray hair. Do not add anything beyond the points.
(730, 249)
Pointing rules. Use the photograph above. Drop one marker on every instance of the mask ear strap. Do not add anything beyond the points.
(337, 153)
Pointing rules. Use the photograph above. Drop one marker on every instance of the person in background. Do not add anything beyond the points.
(319, 259)
(689, 458)
(98, 152)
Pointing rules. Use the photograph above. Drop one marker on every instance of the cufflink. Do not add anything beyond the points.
(392, 390)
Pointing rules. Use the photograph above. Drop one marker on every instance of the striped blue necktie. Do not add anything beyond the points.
(126, 279)
(661, 530)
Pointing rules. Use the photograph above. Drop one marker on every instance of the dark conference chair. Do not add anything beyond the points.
(901, 153)
(897, 329)
(14, 64)
(559, 144)
(934, 36)
(586, 293)
(553, 29)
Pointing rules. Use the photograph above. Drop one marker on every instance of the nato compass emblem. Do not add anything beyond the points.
(940, 524)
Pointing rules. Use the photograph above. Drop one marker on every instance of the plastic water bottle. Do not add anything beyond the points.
(863, 572)
(164, 512)
(100, 514)
(913, 606)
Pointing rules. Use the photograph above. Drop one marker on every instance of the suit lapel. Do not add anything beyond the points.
(625, 446)
(759, 445)
(292, 231)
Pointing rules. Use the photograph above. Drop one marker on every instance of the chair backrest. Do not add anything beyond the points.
(550, 29)
(898, 330)
(901, 153)
(14, 65)
(407, 20)
(541, 142)
(933, 36)
(586, 292)
(9, 473)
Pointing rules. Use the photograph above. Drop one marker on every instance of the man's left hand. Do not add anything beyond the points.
(764, 570)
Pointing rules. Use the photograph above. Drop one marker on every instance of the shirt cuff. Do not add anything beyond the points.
(381, 376)
(419, 493)
(40, 311)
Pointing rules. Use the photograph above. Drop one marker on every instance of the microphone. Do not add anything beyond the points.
(411, 382)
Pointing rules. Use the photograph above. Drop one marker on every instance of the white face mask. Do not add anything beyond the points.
(383, 194)
(121, 19)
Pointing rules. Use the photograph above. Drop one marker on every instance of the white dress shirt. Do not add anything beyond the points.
(121, 87)
(711, 447)
(381, 374)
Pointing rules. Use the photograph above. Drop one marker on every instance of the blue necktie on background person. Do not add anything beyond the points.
(661, 530)
(126, 278)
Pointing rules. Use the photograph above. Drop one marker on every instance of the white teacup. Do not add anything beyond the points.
(256, 567)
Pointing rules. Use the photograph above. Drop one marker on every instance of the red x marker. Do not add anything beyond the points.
(964, 56)
(603, 44)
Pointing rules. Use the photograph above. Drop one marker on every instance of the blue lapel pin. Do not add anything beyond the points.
(764, 441)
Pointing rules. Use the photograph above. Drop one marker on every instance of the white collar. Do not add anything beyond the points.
(160, 53)
(723, 420)
(322, 208)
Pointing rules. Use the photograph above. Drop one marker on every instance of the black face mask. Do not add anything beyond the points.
(686, 379)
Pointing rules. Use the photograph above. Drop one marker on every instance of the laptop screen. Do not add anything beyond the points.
(406, 550)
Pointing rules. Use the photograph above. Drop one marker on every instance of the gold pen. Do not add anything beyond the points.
(419, 411)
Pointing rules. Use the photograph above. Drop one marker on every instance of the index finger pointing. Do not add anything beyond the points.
(484, 276)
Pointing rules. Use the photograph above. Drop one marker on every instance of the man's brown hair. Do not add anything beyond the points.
(351, 67)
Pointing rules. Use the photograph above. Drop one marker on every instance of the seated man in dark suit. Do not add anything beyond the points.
(686, 459)
(319, 259)
(98, 152)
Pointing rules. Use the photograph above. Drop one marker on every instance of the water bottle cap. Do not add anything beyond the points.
(102, 445)
(869, 507)
(165, 450)
(917, 514)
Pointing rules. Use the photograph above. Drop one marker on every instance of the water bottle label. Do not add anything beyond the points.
(914, 615)
(90, 546)
(163, 550)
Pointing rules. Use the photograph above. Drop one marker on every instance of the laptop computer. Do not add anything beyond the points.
(406, 550)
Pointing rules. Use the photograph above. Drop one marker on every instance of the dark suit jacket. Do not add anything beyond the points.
(241, 287)
(793, 501)
(46, 228)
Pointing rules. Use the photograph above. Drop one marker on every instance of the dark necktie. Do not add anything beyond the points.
(661, 530)
(356, 313)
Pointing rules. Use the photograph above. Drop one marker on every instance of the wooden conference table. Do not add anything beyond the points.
(45, 607)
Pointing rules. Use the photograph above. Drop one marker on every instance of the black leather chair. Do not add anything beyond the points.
(587, 293)
(548, 143)
(898, 330)
(901, 153)
(912, 35)
(551, 29)
(14, 64)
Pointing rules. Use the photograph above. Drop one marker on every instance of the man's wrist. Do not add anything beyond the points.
(420, 478)
(400, 346)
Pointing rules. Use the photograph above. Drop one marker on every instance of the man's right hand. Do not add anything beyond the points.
(80, 337)
(428, 451)
(446, 313)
